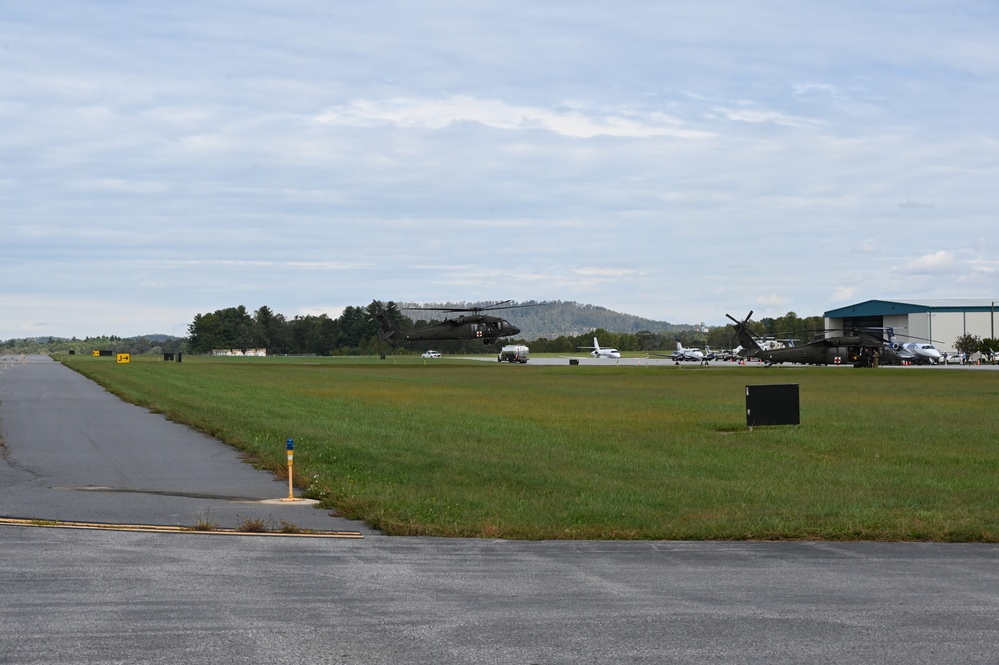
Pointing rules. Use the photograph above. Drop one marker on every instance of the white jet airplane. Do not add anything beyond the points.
(602, 352)
(920, 353)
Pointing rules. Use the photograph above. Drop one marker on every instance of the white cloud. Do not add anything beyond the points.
(868, 246)
(843, 294)
(759, 116)
(565, 119)
(772, 300)
(605, 272)
(931, 263)
(804, 89)
(260, 263)
(120, 185)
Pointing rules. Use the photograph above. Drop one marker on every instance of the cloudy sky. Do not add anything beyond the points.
(674, 160)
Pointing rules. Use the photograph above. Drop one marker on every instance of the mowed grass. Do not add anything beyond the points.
(484, 449)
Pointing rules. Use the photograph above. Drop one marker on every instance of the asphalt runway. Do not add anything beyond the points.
(111, 596)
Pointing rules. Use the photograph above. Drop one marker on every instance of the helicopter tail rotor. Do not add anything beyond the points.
(746, 338)
(385, 328)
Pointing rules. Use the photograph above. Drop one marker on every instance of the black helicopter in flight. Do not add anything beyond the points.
(475, 324)
(862, 347)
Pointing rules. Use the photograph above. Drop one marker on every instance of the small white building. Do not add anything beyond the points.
(939, 321)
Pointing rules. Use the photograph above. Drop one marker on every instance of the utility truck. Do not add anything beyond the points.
(514, 353)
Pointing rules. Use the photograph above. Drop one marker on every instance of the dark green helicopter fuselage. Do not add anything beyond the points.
(479, 326)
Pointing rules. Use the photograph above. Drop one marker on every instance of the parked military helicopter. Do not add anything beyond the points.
(476, 325)
(862, 348)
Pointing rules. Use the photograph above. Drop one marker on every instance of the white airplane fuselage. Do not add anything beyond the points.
(923, 352)
(599, 352)
(687, 354)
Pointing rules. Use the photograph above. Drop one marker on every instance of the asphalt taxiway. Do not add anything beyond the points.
(112, 596)
(73, 452)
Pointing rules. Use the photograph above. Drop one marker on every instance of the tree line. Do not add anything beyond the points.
(356, 332)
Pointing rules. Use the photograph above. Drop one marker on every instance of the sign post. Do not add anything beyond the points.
(291, 460)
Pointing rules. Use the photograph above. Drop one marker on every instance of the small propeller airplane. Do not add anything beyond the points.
(681, 353)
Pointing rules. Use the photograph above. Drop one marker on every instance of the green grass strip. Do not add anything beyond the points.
(494, 450)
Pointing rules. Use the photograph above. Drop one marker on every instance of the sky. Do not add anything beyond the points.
(671, 160)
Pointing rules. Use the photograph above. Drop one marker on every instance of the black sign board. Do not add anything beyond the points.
(773, 404)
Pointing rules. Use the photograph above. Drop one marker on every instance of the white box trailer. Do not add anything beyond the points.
(514, 353)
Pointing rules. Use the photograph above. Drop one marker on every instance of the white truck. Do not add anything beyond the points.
(514, 353)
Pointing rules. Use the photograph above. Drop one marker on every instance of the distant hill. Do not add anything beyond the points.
(554, 318)
(49, 339)
(158, 338)
(52, 344)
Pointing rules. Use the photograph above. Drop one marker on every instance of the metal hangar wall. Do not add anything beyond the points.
(940, 321)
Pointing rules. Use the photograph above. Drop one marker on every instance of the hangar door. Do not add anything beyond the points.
(852, 322)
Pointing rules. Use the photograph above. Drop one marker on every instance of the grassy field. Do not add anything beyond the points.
(466, 448)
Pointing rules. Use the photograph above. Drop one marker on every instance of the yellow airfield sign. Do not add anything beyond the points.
(124, 358)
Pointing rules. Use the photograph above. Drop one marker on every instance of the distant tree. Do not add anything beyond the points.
(230, 328)
(313, 335)
(392, 311)
(788, 326)
(646, 340)
(721, 337)
(205, 333)
(270, 331)
(139, 345)
(968, 343)
(814, 325)
(356, 325)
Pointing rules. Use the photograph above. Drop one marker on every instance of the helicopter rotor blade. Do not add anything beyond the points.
(744, 321)
(477, 309)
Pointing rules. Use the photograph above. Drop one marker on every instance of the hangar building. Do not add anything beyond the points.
(941, 321)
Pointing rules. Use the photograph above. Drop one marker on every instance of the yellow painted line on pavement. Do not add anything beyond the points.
(153, 528)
